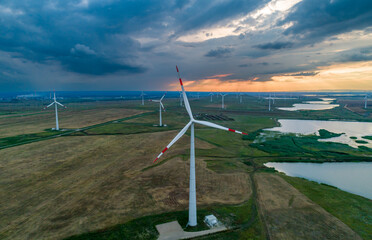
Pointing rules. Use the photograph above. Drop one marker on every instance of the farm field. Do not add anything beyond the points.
(87, 184)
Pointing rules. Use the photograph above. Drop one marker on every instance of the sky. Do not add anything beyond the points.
(220, 45)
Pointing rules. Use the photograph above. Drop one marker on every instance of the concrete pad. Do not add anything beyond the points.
(170, 227)
(174, 231)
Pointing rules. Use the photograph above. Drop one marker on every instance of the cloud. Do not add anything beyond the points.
(314, 20)
(83, 49)
(203, 14)
(355, 55)
(306, 74)
(274, 45)
(221, 52)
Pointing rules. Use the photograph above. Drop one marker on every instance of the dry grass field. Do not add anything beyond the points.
(68, 118)
(356, 106)
(70, 185)
(288, 214)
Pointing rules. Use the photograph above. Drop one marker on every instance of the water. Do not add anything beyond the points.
(325, 104)
(351, 177)
(349, 129)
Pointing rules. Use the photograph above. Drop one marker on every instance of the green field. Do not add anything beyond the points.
(228, 155)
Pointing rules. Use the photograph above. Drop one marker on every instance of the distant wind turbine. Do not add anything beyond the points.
(365, 101)
(160, 107)
(56, 109)
(269, 102)
(181, 99)
(223, 100)
(143, 97)
(192, 189)
(211, 94)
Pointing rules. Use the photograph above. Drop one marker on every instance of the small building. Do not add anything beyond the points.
(211, 220)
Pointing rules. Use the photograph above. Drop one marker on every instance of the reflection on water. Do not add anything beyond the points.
(356, 130)
(351, 177)
(312, 105)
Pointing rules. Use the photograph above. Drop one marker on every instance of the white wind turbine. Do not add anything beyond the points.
(181, 99)
(143, 97)
(365, 101)
(223, 100)
(192, 191)
(211, 94)
(240, 97)
(160, 107)
(269, 102)
(56, 109)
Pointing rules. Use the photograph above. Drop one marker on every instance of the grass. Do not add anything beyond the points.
(236, 216)
(361, 141)
(367, 137)
(4, 142)
(124, 176)
(308, 148)
(355, 211)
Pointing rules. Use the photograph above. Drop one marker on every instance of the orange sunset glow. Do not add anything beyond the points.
(350, 76)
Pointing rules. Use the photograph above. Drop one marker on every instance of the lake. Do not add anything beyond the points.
(325, 104)
(351, 177)
(352, 131)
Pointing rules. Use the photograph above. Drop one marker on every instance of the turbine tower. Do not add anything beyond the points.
(223, 100)
(240, 97)
(269, 102)
(211, 94)
(56, 109)
(365, 101)
(143, 97)
(192, 192)
(181, 99)
(160, 107)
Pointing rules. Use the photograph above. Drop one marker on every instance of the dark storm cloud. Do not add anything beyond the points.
(355, 55)
(221, 52)
(42, 31)
(315, 20)
(274, 45)
(202, 14)
(306, 74)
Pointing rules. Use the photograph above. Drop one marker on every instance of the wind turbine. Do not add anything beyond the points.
(56, 109)
(181, 99)
(223, 100)
(211, 94)
(241, 97)
(365, 101)
(143, 97)
(192, 191)
(160, 106)
(269, 102)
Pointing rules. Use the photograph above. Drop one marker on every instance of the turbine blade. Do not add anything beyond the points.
(162, 106)
(186, 101)
(154, 100)
(49, 105)
(162, 96)
(178, 136)
(213, 125)
(60, 104)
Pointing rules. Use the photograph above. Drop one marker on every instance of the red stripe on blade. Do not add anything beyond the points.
(155, 160)
(244, 133)
(231, 130)
(181, 82)
(165, 149)
(177, 68)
